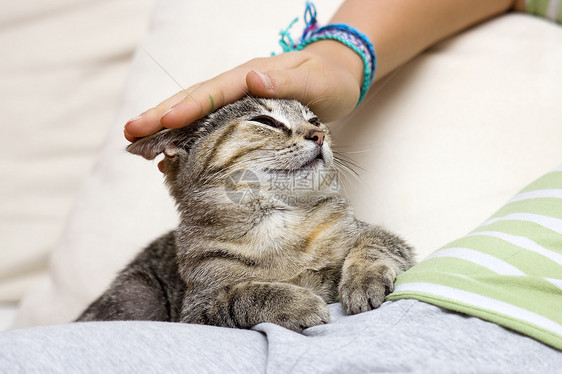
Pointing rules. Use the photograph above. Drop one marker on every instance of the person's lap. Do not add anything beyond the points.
(403, 335)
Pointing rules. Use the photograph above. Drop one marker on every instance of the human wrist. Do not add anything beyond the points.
(352, 39)
(342, 56)
(348, 36)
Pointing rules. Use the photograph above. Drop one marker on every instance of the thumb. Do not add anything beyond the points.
(328, 102)
(279, 84)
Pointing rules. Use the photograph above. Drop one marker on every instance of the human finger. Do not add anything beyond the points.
(206, 97)
(223, 89)
(149, 121)
(328, 92)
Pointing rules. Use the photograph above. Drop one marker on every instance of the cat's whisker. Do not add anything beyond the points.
(347, 180)
(220, 173)
(349, 173)
(349, 162)
(349, 167)
(344, 169)
(349, 177)
(320, 99)
(355, 152)
(344, 147)
(230, 168)
(343, 173)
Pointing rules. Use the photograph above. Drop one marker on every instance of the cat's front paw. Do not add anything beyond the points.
(249, 303)
(298, 309)
(364, 286)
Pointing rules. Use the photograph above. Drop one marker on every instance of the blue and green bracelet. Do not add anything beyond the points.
(342, 33)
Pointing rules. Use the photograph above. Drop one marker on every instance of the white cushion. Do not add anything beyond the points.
(62, 72)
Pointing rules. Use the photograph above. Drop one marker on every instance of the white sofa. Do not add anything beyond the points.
(444, 141)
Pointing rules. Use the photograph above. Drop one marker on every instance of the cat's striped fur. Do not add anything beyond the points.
(248, 249)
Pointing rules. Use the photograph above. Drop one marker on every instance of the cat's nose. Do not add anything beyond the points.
(316, 136)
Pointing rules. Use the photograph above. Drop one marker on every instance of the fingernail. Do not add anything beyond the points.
(129, 137)
(265, 80)
(134, 119)
(168, 111)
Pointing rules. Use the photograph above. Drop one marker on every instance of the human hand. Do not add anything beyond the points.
(326, 76)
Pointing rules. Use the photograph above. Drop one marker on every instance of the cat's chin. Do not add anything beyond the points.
(314, 164)
(310, 166)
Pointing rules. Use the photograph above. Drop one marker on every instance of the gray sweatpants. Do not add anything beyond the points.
(402, 336)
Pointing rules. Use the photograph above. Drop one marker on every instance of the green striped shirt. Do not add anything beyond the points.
(550, 9)
(508, 270)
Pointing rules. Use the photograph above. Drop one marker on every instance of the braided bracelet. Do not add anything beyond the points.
(342, 33)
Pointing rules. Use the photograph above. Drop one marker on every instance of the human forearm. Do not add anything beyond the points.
(401, 29)
(327, 75)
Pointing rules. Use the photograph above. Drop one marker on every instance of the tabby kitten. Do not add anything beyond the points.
(264, 235)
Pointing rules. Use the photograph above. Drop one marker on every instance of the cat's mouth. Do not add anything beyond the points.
(314, 162)
(318, 160)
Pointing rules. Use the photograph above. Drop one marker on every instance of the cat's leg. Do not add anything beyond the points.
(246, 304)
(371, 267)
(134, 295)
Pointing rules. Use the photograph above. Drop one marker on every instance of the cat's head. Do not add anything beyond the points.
(268, 138)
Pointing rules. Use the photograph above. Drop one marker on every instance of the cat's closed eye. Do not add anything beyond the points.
(271, 122)
(315, 121)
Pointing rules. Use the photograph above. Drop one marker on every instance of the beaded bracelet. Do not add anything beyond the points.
(342, 33)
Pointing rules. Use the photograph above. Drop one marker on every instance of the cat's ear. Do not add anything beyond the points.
(168, 140)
